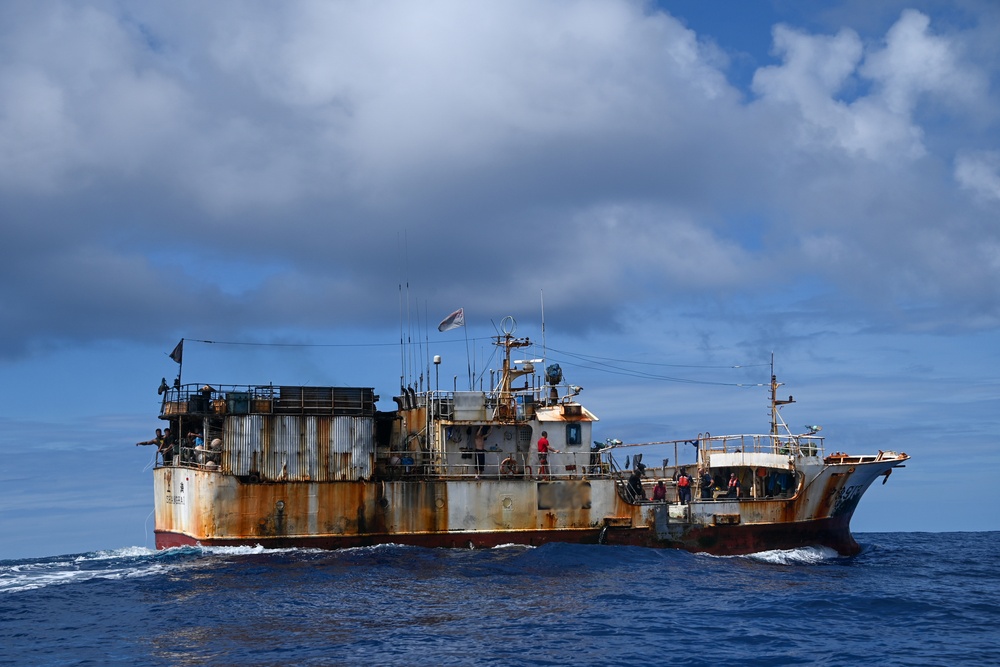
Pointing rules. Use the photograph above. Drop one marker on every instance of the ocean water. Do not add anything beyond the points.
(907, 599)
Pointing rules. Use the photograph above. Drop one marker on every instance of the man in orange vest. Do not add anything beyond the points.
(684, 487)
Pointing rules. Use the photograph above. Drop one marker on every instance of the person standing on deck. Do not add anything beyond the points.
(157, 440)
(194, 441)
(706, 485)
(636, 493)
(734, 486)
(684, 487)
(167, 446)
(543, 455)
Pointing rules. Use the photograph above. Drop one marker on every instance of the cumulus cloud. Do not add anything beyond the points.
(816, 72)
(585, 148)
(915, 62)
(979, 172)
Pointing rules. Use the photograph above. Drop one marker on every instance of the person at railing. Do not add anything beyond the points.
(156, 440)
(659, 492)
(636, 493)
(734, 486)
(707, 483)
(684, 487)
(543, 455)
(195, 443)
(169, 446)
(595, 458)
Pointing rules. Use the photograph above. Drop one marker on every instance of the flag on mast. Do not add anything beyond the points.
(178, 352)
(453, 321)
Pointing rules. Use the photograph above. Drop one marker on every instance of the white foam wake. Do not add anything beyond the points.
(800, 556)
(26, 575)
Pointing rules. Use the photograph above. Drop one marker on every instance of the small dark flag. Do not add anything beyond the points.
(453, 321)
(178, 352)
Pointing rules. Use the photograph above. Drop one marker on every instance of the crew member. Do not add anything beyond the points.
(706, 485)
(543, 455)
(684, 487)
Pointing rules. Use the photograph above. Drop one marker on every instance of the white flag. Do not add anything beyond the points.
(453, 321)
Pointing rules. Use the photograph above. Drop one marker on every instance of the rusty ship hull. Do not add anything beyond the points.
(212, 508)
(322, 467)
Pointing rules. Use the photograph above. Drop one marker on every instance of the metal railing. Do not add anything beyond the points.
(207, 400)
(799, 445)
(496, 465)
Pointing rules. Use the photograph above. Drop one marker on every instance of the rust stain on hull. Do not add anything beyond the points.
(212, 508)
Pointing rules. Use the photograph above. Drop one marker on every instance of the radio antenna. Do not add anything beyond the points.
(541, 296)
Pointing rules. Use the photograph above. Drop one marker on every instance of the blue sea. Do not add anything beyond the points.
(907, 599)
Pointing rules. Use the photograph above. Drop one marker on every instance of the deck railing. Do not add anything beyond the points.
(798, 445)
(497, 465)
(218, 400)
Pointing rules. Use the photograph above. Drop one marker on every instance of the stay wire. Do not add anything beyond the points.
(589, 362)
(599, 364)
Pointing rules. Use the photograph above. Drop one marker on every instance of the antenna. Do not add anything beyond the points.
(468, 360)
(402, 348)
(776, 403)
(427, 345)
(541, 295)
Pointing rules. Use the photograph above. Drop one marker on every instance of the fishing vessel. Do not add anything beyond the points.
(323, 467)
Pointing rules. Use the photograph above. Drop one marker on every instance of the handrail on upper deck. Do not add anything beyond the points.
(802, 444)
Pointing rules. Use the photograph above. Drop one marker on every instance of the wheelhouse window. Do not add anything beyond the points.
(574, 434)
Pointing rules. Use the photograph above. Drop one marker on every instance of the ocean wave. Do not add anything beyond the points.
(386, 604)
(113, 554)
(799, 556)
(126, 563)
(513, 545)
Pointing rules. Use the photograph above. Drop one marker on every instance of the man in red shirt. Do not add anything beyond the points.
(543, 455)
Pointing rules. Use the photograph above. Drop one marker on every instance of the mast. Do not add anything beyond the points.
(506, 408)
(775, 403)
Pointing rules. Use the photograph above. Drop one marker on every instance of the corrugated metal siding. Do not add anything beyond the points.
(300, 448)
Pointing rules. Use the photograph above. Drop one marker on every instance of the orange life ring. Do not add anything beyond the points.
(508, 467)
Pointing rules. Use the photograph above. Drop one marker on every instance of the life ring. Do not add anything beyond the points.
(508, 467)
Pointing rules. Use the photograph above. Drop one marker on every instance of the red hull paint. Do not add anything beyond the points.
(737, 540)
(478, 540)
(833, 533)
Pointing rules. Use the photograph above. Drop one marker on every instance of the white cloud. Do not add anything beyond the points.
(309, 137)
(392, 88)
(915, 62)
(979, 172)
(816, 74)
(824, 77)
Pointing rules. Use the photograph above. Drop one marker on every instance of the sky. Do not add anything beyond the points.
(662, 195)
